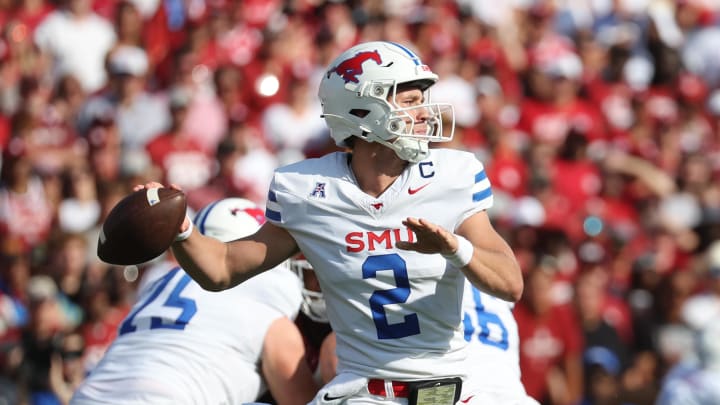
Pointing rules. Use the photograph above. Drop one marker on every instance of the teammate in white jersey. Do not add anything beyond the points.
(313, 323)
(493, 351)
(392, 229)
(698, 385)
(181, 344)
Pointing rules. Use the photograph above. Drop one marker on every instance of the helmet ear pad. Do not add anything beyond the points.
(397, 125)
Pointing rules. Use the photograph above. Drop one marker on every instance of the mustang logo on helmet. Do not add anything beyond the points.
(254, 212)
(350, 69)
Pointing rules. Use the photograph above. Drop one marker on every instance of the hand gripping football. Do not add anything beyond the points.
(141, 226)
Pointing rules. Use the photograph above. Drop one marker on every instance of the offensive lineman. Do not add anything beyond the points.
(493, 350)
(181, 344)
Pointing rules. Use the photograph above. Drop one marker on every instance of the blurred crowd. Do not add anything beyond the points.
(598, 122)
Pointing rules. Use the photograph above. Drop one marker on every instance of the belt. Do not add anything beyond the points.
(400, 389)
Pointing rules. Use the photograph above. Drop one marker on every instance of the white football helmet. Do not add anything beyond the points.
(355, 90)
(313, 304)
(229, 219)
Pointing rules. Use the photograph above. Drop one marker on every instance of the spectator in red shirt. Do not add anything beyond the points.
(105, 311)
(575, 175)
(30, 13)
(26, 213)
(551, 342)
(555, 106)
(182, 160)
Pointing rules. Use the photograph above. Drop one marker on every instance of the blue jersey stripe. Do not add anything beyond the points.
(480, 176)
(201, 217)
(409, 52)
(273, 215)
(271, 196)
(468, 328)
(481, 195)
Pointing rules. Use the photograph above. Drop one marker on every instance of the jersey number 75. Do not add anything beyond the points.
(152, 307)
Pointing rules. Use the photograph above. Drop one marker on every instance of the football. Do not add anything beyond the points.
(141, 226)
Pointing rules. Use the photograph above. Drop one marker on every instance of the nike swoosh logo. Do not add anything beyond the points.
(326, 397)
(466, 400)
(412, 191)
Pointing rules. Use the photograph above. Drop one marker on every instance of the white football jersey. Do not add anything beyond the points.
(493, 344)
(691, 387)
(397, 314)
(181, 344)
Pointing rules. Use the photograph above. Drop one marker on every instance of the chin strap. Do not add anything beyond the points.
(411, 150)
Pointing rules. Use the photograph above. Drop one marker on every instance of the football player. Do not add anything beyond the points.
(493, 352)
(392, 229)
(490, 330)
(314, 325)
(697, 385)
(181, 344)
(313, 322)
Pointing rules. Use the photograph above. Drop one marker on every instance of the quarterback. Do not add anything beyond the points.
(392, 228)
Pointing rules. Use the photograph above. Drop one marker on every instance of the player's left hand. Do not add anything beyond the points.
(431, 238)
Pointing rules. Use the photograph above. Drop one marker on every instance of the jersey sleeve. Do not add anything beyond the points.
(478, 195)
(284, 207)
(273, 207)
(290, 188)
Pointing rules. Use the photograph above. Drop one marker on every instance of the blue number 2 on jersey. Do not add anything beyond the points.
(174, 300)
(490, 330)
(410, 325)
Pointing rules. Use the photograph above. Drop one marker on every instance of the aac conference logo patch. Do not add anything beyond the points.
(318, 191)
